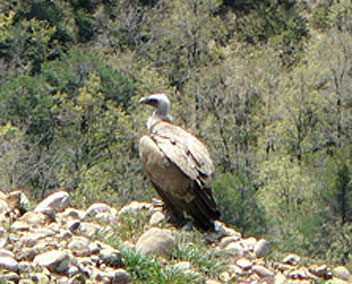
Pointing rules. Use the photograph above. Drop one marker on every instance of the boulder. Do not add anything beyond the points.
(156, 218)
(262, 248)
(120, 276)
(292, 259)
(55, 260)
(8, 263)
(57, 202)
(156, 241)
(262, 271)
(244, 263)
(79, 246)
(111, 257)
(135, 206)
(342, 273)
(98, 208)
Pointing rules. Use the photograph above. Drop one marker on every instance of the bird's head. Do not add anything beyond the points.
(159, 101)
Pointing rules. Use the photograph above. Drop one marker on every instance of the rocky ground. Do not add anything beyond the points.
(56, 243)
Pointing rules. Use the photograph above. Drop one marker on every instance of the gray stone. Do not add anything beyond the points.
(4, 207)
(262, 248)
(94, 248)
(57, 202)
(225, 276)
(156, 241)
(235, 269)
(55, 260)
(224, 230)
(111, 258)
(17, 200)
(6, 253)
(156, 218)
(98, 208)
(244, 263)
(35, 218)
(342, 273)
(120, 276)
(79, 246)
(292, 259)
(20, 226)
(321, 271)
(279, 278)
(228, 239)
(262, 271)
(88, 229)
(248, 244)
(8, 263)
(73, 225)
(72, 213)
(234, 248)
(135, 206)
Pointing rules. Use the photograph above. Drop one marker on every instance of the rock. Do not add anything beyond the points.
(98, 208)
(235, 249)
(111, 257)
(228, 239)
(8, 263)
(156, 241)
(34, 218)
(156, 218)
(73, 225)
(135, 206)
(299, 273)
(17, 200)
(94, 248)
(225, 276)
(262, 248)
(6, 253)
(4, 207)
(120, 276)
(211, 281)
(235, 269)
(55, 260)
(320, 271)
(342, 273)
(104, 217)
(20, 226)
(335, 280)
(88, 229)
(248, 244)
(57, 202)
(225, 231)
(182, 265)
(262, 271)
(79, 246)
(291, 259)
(72, 213)
(279, 278)
(244, 263)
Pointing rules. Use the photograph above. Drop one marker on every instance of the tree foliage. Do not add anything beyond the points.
(267, 85)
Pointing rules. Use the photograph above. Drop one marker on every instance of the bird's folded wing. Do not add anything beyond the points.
(183, 149)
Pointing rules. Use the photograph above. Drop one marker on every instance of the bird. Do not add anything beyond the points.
(179, 166)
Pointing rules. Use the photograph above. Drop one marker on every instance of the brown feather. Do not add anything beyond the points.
(180, 168)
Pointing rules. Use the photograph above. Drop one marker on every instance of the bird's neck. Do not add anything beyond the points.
(157, 117)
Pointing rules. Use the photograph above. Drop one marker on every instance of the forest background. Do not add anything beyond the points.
(267, 85)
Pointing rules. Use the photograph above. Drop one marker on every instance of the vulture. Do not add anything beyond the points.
(179, 166)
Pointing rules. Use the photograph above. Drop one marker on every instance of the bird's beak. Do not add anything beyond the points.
(148, 101)
(143, 100)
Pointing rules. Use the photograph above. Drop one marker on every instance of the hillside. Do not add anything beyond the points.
(265, 84)
(56, 243)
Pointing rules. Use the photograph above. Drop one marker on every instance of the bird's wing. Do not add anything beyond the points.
(184, 150)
